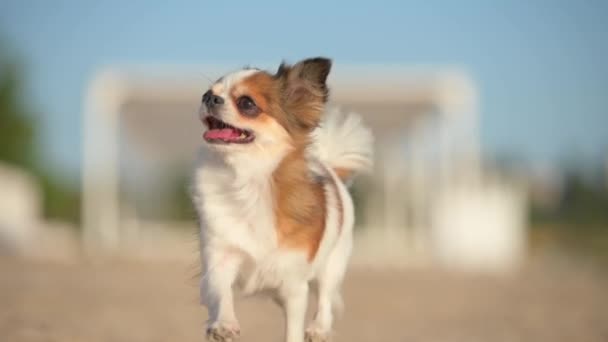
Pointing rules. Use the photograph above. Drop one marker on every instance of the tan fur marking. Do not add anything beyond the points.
(300, 205)
(260, 87)
(294, 98)
(265, 91)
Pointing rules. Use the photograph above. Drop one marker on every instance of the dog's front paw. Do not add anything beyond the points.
(223, 331)
(314, 334)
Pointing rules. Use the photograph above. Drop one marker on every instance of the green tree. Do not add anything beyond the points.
(19, 142)
(17, 133)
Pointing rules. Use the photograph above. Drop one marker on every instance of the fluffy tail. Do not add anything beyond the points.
(343, 143)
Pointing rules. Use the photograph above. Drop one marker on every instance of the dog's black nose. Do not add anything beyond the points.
(212, 100)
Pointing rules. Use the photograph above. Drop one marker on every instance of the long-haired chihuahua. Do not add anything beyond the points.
(271, 193)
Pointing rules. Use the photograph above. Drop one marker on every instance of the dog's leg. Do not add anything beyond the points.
(216, 289)
(319, 329)
(295, 301)
(328, 292)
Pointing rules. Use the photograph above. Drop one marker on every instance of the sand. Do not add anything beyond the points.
(121, 301)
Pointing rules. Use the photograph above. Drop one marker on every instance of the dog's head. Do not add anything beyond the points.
(257, 112)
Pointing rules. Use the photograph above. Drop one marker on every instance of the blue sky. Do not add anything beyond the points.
(541, 65)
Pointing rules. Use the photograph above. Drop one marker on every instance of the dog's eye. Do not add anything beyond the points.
(246, 106)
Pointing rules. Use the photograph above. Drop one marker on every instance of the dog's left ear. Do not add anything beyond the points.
(304, 89)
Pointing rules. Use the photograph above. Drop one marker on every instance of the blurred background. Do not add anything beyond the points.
(485, 219)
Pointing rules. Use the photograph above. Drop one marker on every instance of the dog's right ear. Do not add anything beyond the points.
(304, 88)
(311, 73)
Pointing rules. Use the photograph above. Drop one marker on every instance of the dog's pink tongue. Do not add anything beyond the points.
(224, 134)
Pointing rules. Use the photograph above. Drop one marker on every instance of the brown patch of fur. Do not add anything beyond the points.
(260, 87)
(295, 97)
(266, 91)
(299, 205)
(304, 91)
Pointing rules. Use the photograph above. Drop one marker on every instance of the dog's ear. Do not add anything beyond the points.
(304, 89)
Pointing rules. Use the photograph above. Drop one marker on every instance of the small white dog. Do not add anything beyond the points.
(275, 213)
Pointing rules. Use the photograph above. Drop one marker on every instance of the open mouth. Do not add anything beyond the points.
(220, 132)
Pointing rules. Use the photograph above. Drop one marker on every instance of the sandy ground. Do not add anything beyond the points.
(158, 302)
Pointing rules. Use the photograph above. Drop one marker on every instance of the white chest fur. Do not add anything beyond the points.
(238, 220)
(236, 209)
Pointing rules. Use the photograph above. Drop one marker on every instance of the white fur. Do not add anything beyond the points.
(343, 141)
(232, 194)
